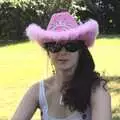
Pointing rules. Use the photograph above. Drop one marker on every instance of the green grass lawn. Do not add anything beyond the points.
(23, 64)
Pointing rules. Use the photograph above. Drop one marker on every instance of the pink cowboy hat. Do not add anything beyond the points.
(63, 27)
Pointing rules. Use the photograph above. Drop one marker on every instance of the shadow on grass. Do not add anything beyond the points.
(4, 43)
(117, 90)
(116, 118)
(117, 36)
(116, 80)
(10, 42)
(116, 110)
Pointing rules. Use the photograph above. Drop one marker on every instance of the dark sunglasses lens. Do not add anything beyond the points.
(72, 47)
(53, 47)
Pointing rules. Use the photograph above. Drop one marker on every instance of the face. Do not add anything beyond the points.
(64, 55)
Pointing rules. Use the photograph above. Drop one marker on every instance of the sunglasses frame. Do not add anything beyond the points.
(56, 47)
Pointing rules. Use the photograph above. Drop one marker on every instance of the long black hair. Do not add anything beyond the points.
(77, 92)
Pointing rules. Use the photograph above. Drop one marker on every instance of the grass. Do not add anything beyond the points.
(21, 65)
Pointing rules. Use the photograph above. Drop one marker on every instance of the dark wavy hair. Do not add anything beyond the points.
(77, 91)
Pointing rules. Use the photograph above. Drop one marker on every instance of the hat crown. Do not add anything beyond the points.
(61, 22)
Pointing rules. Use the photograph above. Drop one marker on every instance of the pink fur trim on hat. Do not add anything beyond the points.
(87, 32)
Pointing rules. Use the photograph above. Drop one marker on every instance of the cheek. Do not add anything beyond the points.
(75, 57)
(52, 57)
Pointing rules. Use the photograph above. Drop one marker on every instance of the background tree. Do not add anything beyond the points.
(15, 16)
(107, 13)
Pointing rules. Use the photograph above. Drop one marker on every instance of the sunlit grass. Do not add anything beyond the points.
(23, 64)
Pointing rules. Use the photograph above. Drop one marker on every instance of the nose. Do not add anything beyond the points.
(63, 52)
(63, 49)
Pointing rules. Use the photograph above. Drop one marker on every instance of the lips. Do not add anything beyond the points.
(63, 60)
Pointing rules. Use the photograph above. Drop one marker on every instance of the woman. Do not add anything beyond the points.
(75, 91)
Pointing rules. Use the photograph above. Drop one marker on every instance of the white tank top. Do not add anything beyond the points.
(44, 108)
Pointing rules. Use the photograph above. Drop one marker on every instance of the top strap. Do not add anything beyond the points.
(43, 100)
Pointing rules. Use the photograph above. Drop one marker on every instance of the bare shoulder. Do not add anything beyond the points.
(101, 103)
(48, 83)
(35, 87)
(101, 94)
(28, 104)
(33, 91)
(102, 88)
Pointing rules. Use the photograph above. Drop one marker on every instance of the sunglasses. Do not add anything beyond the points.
(56, 47)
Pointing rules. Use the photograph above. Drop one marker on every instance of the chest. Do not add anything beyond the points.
(60, 112)
(52, 110)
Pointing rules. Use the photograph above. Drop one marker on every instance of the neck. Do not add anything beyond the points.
(62, 76)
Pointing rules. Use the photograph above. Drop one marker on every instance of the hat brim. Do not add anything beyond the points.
(87, 32)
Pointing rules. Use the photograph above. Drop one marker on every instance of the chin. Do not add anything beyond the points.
(65, 67)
